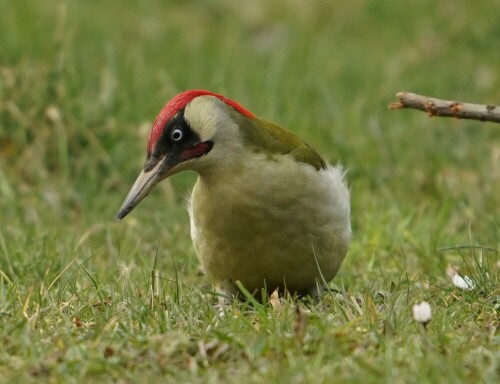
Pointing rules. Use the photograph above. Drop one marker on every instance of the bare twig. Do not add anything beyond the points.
(438, 107)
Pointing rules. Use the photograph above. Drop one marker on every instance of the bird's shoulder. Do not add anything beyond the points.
(267, 137)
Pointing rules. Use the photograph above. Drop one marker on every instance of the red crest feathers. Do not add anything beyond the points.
(180, 101)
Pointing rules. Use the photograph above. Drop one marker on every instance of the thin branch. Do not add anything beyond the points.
(446, 108)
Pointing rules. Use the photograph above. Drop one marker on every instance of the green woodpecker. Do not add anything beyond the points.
(266, 210)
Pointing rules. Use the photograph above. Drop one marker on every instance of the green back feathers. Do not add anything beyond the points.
(270, 138)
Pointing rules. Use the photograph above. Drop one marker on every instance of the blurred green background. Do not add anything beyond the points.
(82, 81)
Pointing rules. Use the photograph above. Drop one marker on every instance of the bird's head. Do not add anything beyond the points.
(193, 131)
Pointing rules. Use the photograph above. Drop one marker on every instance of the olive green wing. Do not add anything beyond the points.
(267, 137)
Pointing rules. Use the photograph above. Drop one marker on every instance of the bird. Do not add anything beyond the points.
(266, 212)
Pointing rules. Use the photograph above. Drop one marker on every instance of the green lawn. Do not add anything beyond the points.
(80, 84)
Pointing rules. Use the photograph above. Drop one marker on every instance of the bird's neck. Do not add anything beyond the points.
(227, 170)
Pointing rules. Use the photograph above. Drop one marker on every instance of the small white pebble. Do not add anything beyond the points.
(422, 312)
(464, 283)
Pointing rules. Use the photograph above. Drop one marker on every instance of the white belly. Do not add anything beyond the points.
(271, 224)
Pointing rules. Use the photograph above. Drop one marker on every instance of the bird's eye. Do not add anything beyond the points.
(177, 134)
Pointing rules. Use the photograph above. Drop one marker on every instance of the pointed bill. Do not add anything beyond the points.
(141, 188)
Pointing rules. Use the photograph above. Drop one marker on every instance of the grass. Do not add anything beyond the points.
(80, 84)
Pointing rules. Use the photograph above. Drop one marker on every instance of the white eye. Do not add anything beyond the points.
(176, 134)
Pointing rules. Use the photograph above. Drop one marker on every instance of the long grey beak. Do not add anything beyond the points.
(141, 188)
